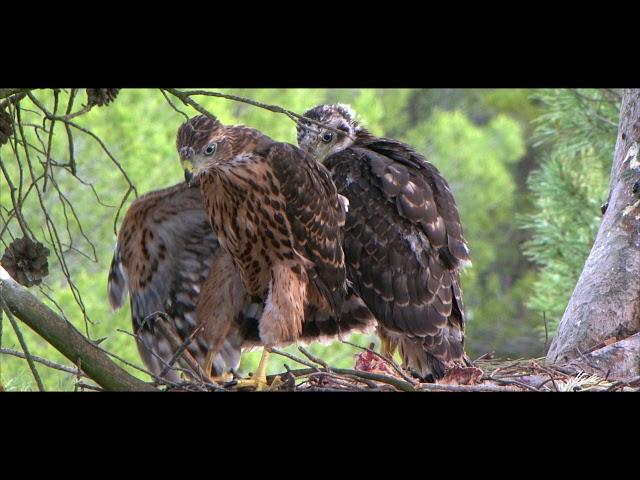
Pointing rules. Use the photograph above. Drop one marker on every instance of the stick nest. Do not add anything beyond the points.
(374, 373)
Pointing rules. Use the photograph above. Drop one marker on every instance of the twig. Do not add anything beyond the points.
(65, 338)
(43, 361)
(484, 356)
(23, 345)
(629, 383)
(166, 97)
(399, 384)
(511, 382)
(88, 386)
(294, 358)
(314, 359)
(185, 96)
(436, 387)
(52, 230)
(390, 361)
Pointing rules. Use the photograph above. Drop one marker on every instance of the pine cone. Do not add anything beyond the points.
(6, 127)
(101, 96)
(26, 261)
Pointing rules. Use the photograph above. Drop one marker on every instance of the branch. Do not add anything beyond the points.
(185, 96)
(43, 361)
(397, 383)
(23, 344)
(7, 92)
(65, 338)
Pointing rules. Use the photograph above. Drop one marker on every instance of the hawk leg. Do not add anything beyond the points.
(259, 378)
(387, 345)
(282, 318)
(222, 299)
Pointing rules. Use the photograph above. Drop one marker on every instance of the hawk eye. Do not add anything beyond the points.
(327, 137)
(210, 150)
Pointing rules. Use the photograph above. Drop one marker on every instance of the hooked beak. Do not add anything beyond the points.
(186, 153)
(187, 166)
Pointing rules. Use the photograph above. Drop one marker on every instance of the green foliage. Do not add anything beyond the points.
(478, 162)
(479, 139)
(580, 128)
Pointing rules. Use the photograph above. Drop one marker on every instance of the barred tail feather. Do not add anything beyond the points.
(118, 284)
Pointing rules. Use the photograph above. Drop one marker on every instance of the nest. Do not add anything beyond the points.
(373, 372)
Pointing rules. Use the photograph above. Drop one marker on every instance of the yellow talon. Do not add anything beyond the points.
(387, 347)
(259, 379)
(208, 364)
(224, 378)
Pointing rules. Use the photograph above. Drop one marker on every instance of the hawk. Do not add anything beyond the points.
(163, 259)
(278, 215)
(403, 239)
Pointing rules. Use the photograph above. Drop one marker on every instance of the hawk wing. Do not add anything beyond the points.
(403, 240)
(316, 215)
(422, 195)
(162, 257)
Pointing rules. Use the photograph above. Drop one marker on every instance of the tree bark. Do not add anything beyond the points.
(605, 305)
(67, 339)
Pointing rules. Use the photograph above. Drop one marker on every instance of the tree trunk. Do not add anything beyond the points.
(605, 305)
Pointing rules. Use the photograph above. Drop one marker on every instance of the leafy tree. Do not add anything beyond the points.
(479, 139)
(568, 189)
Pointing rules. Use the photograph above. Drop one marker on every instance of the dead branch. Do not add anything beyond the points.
(66, 339)
(23, 345)
(43, 361)
(185, 97)
(397, 383)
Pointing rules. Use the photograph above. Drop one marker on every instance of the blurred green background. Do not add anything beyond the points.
(529, 170)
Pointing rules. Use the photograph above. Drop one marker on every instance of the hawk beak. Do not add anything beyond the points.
(187, 166)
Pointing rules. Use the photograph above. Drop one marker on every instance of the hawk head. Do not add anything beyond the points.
(321, 142)
(199, 144)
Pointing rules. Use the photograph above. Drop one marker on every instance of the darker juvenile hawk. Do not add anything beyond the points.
(403, 239)
(277, 213)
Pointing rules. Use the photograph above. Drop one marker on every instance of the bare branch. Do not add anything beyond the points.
(66, 339)
(185, 96)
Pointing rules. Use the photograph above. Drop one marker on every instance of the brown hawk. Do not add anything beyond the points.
(403, 239)
(162, 258)
(277, 213)
(168, 259)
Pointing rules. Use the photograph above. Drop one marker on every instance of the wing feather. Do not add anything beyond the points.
(402, 238)
(316, 215)
(162, 257)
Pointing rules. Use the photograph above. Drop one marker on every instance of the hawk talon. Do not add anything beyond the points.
(223, 379)
(256, 383)
(259, 379)
(276, 383)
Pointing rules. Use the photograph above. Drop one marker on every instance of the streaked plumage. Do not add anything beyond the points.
(167, 258)
(276, 212)
(162, 260)
(403, 239)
